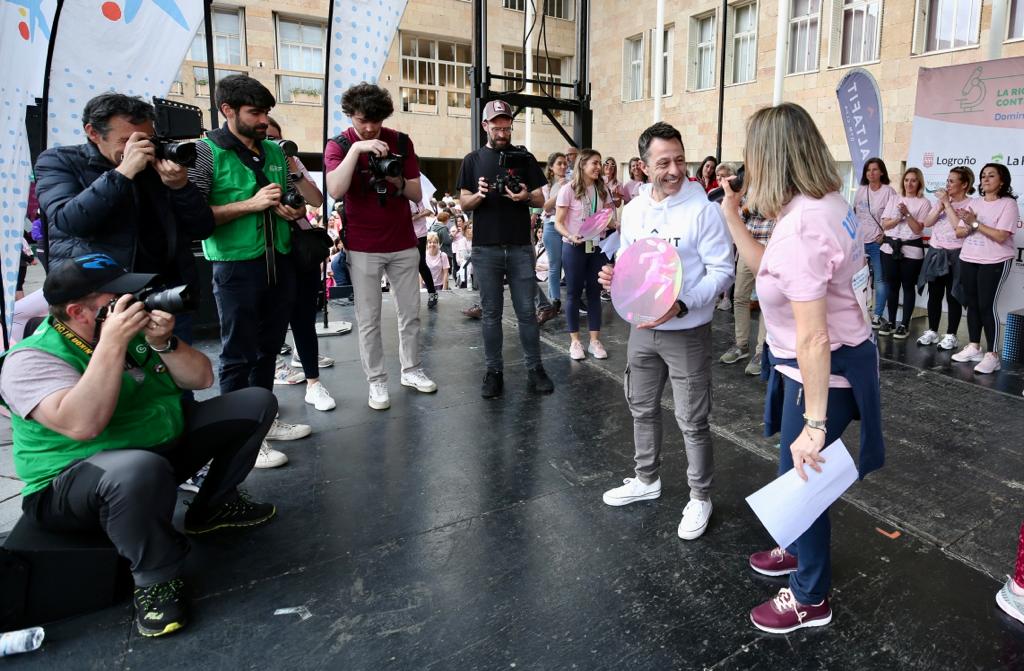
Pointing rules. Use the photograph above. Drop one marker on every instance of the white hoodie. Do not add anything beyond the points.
(696, 228)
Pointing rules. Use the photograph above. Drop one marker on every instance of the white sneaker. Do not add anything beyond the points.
(281, 431)
(970, 353)
(696, 515)
(285, 375)
(321, 362)
(948, 342)
(631, 491)
(988, 364)
(928, 338)
(318, 397)
(379, 399)
(269, 457)
(419, 381)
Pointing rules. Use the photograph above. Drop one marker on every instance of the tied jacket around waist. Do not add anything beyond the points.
(90, 207)
(859, 365)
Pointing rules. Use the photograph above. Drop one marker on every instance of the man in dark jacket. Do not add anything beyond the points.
(112, 195)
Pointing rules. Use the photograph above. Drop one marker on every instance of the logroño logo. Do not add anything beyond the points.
(929, 159)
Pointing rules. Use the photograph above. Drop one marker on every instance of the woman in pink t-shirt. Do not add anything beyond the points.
(637, 178)
(985, 261)
(582, 259)
(812, 286)
(903, 250)
(610, 172)
(437, 262)
(869, 204)
(941, 269)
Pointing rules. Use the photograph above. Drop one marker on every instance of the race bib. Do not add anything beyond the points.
(861, 280)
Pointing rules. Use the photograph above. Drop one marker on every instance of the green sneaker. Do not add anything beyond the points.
(161, 608)
(754, 365)
(1011, 603)
(240, 511)
(734, 354)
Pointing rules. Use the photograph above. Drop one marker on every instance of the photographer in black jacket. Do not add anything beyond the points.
(112, 195)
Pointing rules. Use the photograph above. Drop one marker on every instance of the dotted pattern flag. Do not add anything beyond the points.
(25, 28)
(361, 33)
(129, 46)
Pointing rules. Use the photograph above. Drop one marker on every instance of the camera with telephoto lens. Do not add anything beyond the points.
(386, 166)
(176, 122)
(292, 197)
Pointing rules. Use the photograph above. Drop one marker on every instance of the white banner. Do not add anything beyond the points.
(972, 115)
(130, 46)
(361, 33)
(25, 28)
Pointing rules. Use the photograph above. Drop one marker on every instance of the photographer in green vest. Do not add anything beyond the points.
(244, 177)
(102, 437)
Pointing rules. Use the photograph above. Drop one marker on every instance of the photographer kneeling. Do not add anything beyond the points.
(102, 437)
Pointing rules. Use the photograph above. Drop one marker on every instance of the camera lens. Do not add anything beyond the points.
(182, 153)
(288, 147)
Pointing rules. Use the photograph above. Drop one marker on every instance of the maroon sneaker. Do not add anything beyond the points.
(773, 562)
(784, 614)
(474, 312)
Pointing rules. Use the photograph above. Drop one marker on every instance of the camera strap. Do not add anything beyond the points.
(76, 340)
(224, 139)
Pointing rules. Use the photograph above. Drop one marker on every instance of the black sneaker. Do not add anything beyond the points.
(582, 305)
(494, 382)
(606, 296)
(900, 332)
(884, 327)
(557, 305)
(432, 300)
(162, 608)
(240, 511)
(537, 380)
(286, 349)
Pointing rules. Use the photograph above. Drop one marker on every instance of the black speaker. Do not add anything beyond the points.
(50, 576)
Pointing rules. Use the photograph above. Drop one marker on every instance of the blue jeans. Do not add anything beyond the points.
(581, 274)
(553, 246)
(813, 550)
(492, 265)
(881, 288)
(340, 270)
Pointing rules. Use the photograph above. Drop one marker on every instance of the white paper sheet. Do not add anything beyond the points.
(788, 506)
(610, 245)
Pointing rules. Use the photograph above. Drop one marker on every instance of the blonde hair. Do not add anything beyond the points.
(577, 176)
(785, 156)
(920, 182)
(433, 237)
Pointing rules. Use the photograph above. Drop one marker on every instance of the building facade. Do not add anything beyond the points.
(282, 43)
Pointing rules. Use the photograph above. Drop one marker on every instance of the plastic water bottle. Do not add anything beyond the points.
(25, 640)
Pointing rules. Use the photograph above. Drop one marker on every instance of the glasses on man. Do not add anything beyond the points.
(501, 130)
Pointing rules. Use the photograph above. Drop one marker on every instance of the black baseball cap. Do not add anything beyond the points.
(91, 273)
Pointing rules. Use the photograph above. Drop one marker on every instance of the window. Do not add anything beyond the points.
(851, 180)
(744, 44)
(300, 46)
(942, 25)
(228, 45)
(803, 36)
(702, 52)
(429, 65)
(860, 25)
(1016, 30)
(666, 60)
(633, 68)
(201, 77)
(548, 69)
(518, 5)
(559, 9)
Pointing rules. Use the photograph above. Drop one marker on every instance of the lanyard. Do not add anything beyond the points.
(74, 339)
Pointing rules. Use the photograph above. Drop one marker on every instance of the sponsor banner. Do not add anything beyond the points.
(862, 116)
(25, 29)
(129, 46)
(971, 115)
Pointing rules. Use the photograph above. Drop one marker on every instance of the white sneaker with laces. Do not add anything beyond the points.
(379, 399)
(631, 491)
(696, 516)
(928, 338)
(283, 431)
(419, 381)
(269, 457)
(318, 397)
(948, 342)
(989, 364)
(970, 353)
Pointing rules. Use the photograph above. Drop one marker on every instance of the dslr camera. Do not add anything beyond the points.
(386, 166)
(292, 197)
(512, 165)
(176, 122)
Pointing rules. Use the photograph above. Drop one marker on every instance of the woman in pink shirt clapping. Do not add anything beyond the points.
(985, 262)
(903, 250)
(869, 204)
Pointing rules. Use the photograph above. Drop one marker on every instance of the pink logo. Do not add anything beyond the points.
(929, 159)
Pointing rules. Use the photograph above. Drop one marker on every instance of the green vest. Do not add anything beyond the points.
(148, 413)
(243, 239)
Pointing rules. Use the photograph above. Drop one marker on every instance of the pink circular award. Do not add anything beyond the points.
(647, 279)
(593, 226)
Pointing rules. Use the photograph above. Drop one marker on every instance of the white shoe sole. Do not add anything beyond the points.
(332, 406)
(773, 574)
(427, 390)
(694, 534)
(987, 372)
(625, 501)
(812, 623)
(274, 464)
(1008, 607)
(741, 357)
(971, 359)
(281, 438)
(377, 405)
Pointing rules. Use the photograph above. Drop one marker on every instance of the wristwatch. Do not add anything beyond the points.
(172, 344)
(975, 225)
(683, 310)
(819, 424)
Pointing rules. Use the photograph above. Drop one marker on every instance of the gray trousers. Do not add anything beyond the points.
(365, 270)
(684, 359)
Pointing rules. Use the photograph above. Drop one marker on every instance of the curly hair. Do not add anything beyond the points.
(371, 101)
(1004, 176)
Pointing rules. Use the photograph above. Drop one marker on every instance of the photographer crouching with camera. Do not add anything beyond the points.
(375, 170)
(102, 437)
(124, 193)
(499, 183)
(245, 177)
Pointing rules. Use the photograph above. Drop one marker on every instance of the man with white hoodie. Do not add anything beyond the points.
(677, 346)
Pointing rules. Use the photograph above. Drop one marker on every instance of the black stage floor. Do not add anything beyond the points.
(451, 532)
